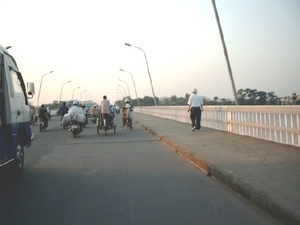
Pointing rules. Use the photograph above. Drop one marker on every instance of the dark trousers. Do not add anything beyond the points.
(196, 117)
(106, 116)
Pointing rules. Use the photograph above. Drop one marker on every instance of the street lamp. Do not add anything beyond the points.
(61, 90)
(87, 96)
(41, 87)
(80, 94)
(124, 90)
(74, 91)
(147, 69)
(120, 91)
(225, 52)
(133, 85)
(127, 87)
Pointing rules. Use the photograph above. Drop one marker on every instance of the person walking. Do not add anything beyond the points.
(195, 103)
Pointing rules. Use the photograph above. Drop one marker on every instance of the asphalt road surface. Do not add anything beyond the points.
(125, 178)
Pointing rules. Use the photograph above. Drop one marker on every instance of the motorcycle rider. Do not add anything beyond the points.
(126, 110)
(33, 116)
(42, 114)
(112, 109)
(94, 113)
(63, 110)
(82, 105)
(76, 109)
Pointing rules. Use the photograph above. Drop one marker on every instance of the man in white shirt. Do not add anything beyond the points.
(195, 103)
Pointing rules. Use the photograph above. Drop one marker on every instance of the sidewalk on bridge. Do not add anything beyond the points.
(264, 172)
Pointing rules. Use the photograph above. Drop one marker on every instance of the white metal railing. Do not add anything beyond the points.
(274, 123)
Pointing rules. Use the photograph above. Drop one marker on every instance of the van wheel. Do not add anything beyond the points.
(19, 158)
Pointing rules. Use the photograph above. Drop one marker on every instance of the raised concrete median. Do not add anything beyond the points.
(266, 173)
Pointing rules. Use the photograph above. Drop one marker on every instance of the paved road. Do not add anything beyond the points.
(125, 178)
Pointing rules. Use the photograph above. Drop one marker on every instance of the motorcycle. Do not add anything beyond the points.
(75, 128)
(65, 125)
(42, 125)
(117, 109)
(129, 124)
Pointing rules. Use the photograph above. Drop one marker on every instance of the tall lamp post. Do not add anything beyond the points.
(87, 96)
(41, 87)
(124, 90)
(61, 90)
(133, 85)
(80, 94)
(147, 69)
(127, 87)
(74, 91)
(225, 52)
(121, 92)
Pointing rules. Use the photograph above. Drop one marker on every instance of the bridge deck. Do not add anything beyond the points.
(264, 172)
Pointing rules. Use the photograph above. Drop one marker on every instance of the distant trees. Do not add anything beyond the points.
(245, 97)
(253, 97)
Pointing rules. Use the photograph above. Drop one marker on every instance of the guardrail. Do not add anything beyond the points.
(274, 123)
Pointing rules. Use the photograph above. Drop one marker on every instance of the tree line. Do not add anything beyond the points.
(245, 97)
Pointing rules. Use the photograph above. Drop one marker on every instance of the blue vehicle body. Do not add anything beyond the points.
(15, 130)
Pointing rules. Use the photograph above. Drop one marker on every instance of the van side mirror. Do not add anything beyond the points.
(30, 89)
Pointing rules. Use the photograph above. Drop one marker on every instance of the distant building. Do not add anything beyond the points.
(287, 100)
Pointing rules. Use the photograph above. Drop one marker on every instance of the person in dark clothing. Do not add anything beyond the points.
(63, 110)
(42, 113)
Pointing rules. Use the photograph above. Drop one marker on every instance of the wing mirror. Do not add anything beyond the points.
(30, 89)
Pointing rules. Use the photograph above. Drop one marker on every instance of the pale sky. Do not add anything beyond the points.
(83, 41)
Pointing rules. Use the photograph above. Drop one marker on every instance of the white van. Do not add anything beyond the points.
(15, 131)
